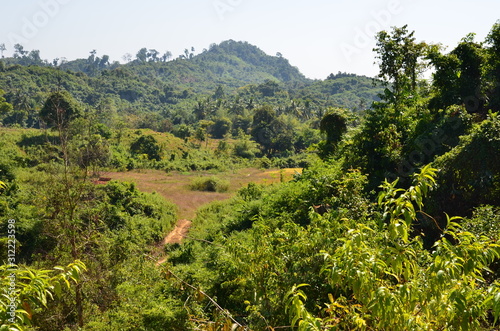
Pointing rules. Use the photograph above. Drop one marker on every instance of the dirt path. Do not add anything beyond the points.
(174, 237)
(178, 233)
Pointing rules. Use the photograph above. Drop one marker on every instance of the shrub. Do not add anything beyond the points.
(146, 145)
(210, 184)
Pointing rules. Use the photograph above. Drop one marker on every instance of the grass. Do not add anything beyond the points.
(175, 186)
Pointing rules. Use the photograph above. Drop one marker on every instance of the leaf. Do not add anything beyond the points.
(27, 308)
(57, 289)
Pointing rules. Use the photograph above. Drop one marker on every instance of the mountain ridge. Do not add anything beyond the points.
(173, 88)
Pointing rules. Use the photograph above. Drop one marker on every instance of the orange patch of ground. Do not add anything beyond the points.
(178, 233)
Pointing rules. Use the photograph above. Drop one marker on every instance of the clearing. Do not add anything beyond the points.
(174, 186)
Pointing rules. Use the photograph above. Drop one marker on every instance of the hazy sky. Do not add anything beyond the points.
(317, 36)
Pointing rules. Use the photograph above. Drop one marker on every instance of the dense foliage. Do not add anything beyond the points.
(392, 223)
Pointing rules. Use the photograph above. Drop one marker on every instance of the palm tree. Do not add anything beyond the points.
(167, 56)
(2, 49)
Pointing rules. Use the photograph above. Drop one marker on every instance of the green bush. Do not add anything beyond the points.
(146, 145)
(210, 184)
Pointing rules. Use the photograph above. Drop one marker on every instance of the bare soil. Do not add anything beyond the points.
(178, 233)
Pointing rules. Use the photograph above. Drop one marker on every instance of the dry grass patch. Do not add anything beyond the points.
(175, 186)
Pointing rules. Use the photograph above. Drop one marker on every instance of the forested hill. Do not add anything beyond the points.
(230, 63)
(151, 82)
(243, 62)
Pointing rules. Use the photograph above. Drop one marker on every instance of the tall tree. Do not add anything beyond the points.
(493, 71)
(167, 56)
(262, 129)
(459, 78)
(399, 61)
(69, 186)
(333, 125)
(472, 59)
(59, 109)
(153, 55)
(142, 55)
(2, 49)
(19, 51)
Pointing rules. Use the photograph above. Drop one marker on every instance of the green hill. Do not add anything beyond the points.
(172, 89)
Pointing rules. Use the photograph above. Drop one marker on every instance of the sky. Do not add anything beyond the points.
(317, 36)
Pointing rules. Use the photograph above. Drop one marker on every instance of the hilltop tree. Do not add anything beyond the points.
(142, 55)
(127, 57)
(153, 55)
(19, 51)
(167, 56)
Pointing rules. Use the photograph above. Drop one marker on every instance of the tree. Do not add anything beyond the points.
(2, 49)
(459, 78)
(146, 145)
(219, 93)
(221, 127)
(333, 125)
(183, 131)
(60, 109)
(104, 61)
(399, 61)
(187, 54)
(445, 79)
(167, 56)
(153, 55)
(5, 107)
(34, 57)
(89, 147)
(244, 146)
(127, 57)
(269, 88)
(201, 131)
(493, 69)
(19, 51)
(28, 290)
(142, 55)
(262, 130)
(472, 59)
